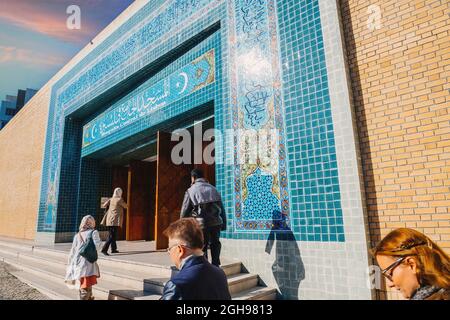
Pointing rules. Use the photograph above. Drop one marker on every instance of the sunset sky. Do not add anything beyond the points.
(35, 41)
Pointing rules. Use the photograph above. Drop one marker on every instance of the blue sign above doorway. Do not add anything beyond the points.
(192, 77)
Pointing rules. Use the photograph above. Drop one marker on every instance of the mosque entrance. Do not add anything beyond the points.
(171, 183)
(154, 187)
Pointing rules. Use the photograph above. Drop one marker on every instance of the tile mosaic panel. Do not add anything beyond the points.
(261, 195)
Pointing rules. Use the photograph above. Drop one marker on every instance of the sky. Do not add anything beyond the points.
(35, 41)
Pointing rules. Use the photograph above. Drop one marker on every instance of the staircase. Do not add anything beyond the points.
(44, 269)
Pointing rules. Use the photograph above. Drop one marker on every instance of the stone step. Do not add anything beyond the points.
(254, 293)
(125, 278)
(103, 261)
(236, 283)
(133, 295)
(155, 285)
(232, 268)
(111, 265)
(49, 288)
(149, 297)
(41, 271)
(229, 269)
(40, 275)
(106, 262)
(31, 248)
(18, 244)
(241, 282)
(44, 269)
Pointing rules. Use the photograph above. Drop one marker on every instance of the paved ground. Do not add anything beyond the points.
(13, 289)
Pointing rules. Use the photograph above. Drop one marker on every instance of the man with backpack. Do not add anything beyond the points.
(203, 202)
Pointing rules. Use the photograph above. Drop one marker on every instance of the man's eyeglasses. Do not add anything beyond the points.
(389, 270)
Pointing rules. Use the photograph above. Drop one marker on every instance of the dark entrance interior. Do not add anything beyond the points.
(137, 180)
(153, 186)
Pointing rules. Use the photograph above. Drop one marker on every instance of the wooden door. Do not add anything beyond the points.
(141, 204)
(120, 180)
(172, 182)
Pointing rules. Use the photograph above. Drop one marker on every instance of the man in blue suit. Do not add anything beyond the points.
(198, 279)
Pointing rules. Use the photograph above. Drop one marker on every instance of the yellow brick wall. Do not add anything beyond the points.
(21, 151)
(400, 81)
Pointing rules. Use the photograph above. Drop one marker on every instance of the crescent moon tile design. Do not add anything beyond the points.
(161, 94)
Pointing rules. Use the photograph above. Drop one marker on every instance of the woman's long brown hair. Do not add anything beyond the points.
(433, 263)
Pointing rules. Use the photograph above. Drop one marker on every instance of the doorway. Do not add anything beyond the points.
(154, 188)
(138, 182)
(173, 180)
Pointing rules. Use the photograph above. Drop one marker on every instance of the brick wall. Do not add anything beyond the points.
(21, 149)
(400, 81)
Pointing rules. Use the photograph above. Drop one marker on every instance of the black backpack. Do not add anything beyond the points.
(207, 214)
(88, 249)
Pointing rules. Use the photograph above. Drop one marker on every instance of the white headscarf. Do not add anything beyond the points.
(87, 223)
(117, 193)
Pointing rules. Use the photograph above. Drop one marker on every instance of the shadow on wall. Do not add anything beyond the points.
(288, 269)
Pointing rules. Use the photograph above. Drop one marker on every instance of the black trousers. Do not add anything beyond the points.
(211, 238)
(112, 236)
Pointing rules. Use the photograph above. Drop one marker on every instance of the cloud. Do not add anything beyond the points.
(13, 54)
(48, 18)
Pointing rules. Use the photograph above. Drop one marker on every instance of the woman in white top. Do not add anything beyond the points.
(82, 274)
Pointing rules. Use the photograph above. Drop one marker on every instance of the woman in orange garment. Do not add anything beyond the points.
(82, 274)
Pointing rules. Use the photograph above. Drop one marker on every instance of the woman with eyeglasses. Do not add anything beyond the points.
(414, 265)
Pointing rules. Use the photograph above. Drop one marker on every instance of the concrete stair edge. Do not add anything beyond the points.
(46, 287)
(150, 269)
(13, 244)
(243, 286)
(59, 264)
(236, 283)
(109, 262)
(102, 289)
(256, 293)
(59, 269)
(46, 251)
(250, 291)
